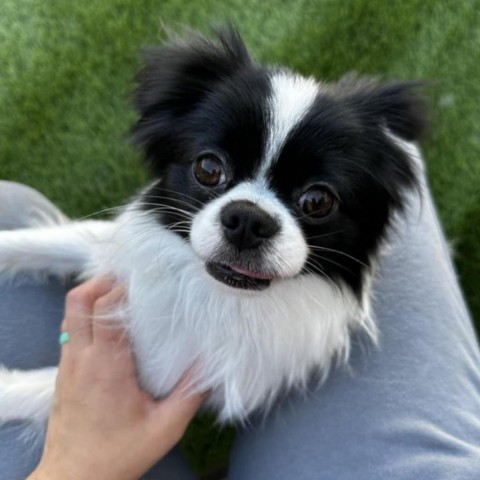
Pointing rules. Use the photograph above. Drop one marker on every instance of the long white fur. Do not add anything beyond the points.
(31, 250)
(26, 394)
(246, 346)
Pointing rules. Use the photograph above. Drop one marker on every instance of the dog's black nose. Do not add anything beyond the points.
(245, 225)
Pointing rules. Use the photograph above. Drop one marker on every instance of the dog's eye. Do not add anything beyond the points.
(317, 202)
(209, 171)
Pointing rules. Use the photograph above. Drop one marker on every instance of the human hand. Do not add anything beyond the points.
(102, 424)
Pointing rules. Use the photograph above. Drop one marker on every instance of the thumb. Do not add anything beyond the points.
(172, 414)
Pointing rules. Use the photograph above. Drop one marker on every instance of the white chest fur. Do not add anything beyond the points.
(246, 346)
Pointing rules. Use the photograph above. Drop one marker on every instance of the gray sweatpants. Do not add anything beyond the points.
(409, 409)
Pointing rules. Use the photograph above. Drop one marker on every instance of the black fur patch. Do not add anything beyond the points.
(198, 97)
(343, 145)
(207, 96)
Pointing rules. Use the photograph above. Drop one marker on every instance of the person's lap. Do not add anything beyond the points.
(407, 409)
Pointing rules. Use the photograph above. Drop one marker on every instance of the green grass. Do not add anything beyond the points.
(67, 67)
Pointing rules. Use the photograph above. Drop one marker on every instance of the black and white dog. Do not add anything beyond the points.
(251, 252)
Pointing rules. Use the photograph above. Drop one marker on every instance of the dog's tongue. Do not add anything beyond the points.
(251, 273)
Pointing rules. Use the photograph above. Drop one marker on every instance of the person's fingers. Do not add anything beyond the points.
(79, 308)
(108, 332)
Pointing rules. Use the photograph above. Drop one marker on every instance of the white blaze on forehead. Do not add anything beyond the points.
(290, 100)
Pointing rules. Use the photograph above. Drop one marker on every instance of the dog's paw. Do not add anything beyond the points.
(26, 395)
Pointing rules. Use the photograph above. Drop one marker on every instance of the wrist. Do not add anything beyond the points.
(41, 473)
(38, 474)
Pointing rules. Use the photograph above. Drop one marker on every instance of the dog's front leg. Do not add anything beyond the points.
(59, 250)
(26, 395)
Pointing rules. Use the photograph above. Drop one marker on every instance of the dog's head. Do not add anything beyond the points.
(268, 174)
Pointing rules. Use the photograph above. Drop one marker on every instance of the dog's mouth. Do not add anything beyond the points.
(239, 277)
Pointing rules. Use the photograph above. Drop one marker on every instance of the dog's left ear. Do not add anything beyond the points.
(383, 110)
(399, 106)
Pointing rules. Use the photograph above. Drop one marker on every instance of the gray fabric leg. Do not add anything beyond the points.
(30, 317)
(407, 410)
(24, 207)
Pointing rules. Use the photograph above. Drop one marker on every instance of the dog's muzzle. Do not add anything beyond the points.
(246, 228)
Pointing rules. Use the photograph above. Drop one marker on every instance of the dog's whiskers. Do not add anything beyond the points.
(176, 200)
(323, 235)
(176, 193)
(105, 210)
(316, 270)
(325, 249)
(335, 263)
(169, 209)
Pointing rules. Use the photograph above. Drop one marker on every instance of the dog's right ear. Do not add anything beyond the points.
(177, 76)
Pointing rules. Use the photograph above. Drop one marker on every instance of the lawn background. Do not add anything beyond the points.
(66, 71)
